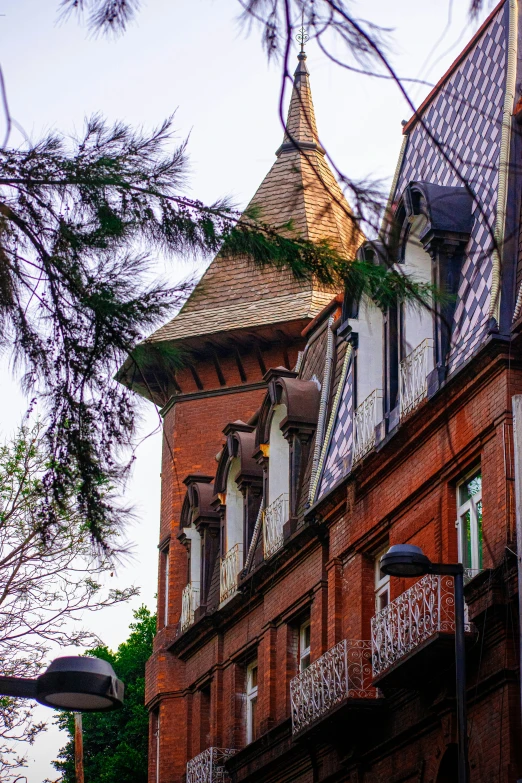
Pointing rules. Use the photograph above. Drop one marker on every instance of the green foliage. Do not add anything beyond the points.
(45, 584)
(115, 744)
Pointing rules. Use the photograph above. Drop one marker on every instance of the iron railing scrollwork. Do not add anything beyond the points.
(189, 604)
(413, 376)
(229, 571)
(366, 417)
(345, 671)
(274, 517)
(208, 766)
(425, 609)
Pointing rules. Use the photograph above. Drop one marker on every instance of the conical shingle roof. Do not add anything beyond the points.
(299, 190)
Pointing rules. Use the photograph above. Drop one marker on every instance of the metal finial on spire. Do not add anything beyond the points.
(302, 36)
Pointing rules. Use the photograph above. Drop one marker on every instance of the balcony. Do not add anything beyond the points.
(417, 629)
(274, 517)
(230, 567)
(189, 604)
(367, 415)
(342, 673)
(208, 767)
(413, 376)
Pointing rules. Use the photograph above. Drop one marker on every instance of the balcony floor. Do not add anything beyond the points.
(350, 714)
(429, 660)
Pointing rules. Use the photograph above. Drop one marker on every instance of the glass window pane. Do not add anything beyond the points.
(479, 533)
(465, 522)
(383, 600)
(306, 637)
(253, 712)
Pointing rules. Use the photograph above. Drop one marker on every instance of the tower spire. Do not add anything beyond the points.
(301, 128)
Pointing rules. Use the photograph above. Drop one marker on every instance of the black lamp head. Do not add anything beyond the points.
(405, 560)
(81, 684)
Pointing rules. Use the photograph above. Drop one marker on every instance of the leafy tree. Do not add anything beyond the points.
(115, 744)
(79, 221)
(45, 584)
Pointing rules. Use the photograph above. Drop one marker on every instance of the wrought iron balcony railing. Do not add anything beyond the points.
(413, 376)
(274, 517)
(208, 767)
(367, 415)
(343, 672)
(230, 567)
(189, 604)
(422, 611)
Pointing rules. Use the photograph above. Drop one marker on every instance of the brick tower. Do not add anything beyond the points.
(239, 322)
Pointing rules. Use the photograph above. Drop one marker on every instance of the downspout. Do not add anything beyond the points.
(333, 416)
(503, 168)
(323, 404)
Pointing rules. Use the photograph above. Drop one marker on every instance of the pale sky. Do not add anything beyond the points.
(190, 56)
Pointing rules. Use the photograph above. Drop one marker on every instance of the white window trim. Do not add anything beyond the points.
(304, 651)
(471, 506)
(251, 696)
(382, 583)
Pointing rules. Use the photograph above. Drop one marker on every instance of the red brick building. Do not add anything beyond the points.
(309, 432)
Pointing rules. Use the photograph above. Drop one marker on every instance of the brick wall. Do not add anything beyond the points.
(403, 494)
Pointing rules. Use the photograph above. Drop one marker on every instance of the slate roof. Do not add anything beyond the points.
(299, 189)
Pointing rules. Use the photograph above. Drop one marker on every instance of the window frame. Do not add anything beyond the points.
(381, 583)
(251, 700)
(303, 650)
(475, 528)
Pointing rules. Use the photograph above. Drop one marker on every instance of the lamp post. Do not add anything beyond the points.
(407, 560)
(70, 683)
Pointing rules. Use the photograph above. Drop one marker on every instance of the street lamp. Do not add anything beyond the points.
(70, 683)
(408, 560)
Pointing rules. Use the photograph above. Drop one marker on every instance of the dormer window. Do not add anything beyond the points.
(433, 224)
(277, 506)
(237, 497)
(287, 422)
(199, 535)
(232, 524)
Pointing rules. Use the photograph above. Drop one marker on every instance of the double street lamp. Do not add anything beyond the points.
(70, 683)
(407, 560)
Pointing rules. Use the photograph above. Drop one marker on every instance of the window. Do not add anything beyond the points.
(382, 584)
(166, 575)
(304, 646)
(469, 521)
(251, 700)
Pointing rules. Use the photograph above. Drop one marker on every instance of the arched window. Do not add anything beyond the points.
(232, 529)
(237, 490)
(448, 770)
(199, 534)
(279, 459)
(417, 322)
(433, 225)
